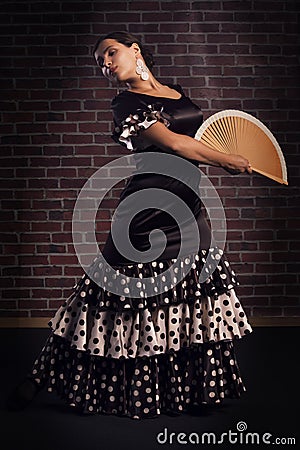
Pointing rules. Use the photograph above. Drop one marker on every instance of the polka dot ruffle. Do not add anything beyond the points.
(139, 357)
(148, 332)
(140, 120)
(141, 387)
(222, 280)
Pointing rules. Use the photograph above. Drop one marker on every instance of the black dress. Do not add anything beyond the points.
(143, 356)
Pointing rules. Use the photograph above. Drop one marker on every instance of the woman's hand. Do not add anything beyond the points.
(236, 164)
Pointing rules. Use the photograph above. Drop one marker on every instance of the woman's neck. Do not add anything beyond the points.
(141, 86)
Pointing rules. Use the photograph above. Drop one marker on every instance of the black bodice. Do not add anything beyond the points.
(132, 113)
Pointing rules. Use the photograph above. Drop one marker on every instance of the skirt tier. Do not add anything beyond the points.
(140, 357)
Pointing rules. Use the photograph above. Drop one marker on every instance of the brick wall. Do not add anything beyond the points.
(56, 124)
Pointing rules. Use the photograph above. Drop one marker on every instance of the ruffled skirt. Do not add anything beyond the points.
(140, 357)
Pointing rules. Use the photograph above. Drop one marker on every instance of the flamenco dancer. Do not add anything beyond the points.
(158, 354)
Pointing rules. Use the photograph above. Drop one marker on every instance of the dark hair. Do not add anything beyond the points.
(127, 39)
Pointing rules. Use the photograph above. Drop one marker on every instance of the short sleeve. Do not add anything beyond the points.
(131, 115)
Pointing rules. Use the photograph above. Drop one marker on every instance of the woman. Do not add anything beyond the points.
(162, 353)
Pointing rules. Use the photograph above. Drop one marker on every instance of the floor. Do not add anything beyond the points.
(269, 363)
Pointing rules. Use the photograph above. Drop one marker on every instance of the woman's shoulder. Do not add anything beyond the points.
(125, 104)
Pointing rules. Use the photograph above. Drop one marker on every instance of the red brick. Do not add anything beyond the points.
(78, 161)
(39, 313)
(235, 27)
(277, 301)
(60, 282)
(7, 260)
(16, 293)
(242, 246)
(8, 304)
(215, 38)
(169, 27)
(61, 150)
(14, 227)
(8, 106)
(273, 246)
(63, 259)
(77, 93)
(47, 270)
(145, 28)
(7, 237)
(152, 17)
(174, 48)
(254, 301)
(64, 127)
(202, 5)
(267, 27)
(174, 5)
(95, 127)
(61, 237)
(45, 293)
(219, 16)
(15, 139)
(214, 70)
(7, 215)
(291, 311)
(51, 248)
(88, 18)
(190, 60)
(7, 173)
(78, 6)
(61, 172)
(70, 105)
(31, 304)
(247, 60)
(83, 116)
(259, 235)
(255, 257)
(96, 105)
(14, 314)
(31, 215)
(16, 271)
(37, 184)
(45, 226)
(77, 139)
(190, 17)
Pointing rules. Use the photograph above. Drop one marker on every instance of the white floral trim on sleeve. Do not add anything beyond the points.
(141, 120)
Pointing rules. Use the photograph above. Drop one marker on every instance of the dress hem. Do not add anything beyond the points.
(141, 387)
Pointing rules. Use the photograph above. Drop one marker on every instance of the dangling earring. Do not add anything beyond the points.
(142, 69)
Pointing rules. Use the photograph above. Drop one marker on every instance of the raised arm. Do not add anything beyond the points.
(159, 135)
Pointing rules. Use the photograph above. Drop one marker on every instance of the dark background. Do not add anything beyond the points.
(56, 126)
(55, 133)
(269, 364)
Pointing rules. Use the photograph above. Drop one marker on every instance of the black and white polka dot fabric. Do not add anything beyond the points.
(140, 357)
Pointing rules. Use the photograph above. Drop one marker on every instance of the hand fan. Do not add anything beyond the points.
(236, 132)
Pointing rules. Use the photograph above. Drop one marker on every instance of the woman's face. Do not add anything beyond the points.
(117, 60)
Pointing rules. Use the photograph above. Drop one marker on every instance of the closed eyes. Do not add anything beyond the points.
(100, 60)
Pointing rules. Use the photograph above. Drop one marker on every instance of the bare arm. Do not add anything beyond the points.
(158, 134)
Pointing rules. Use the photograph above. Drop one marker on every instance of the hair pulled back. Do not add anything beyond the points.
(127, 39)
